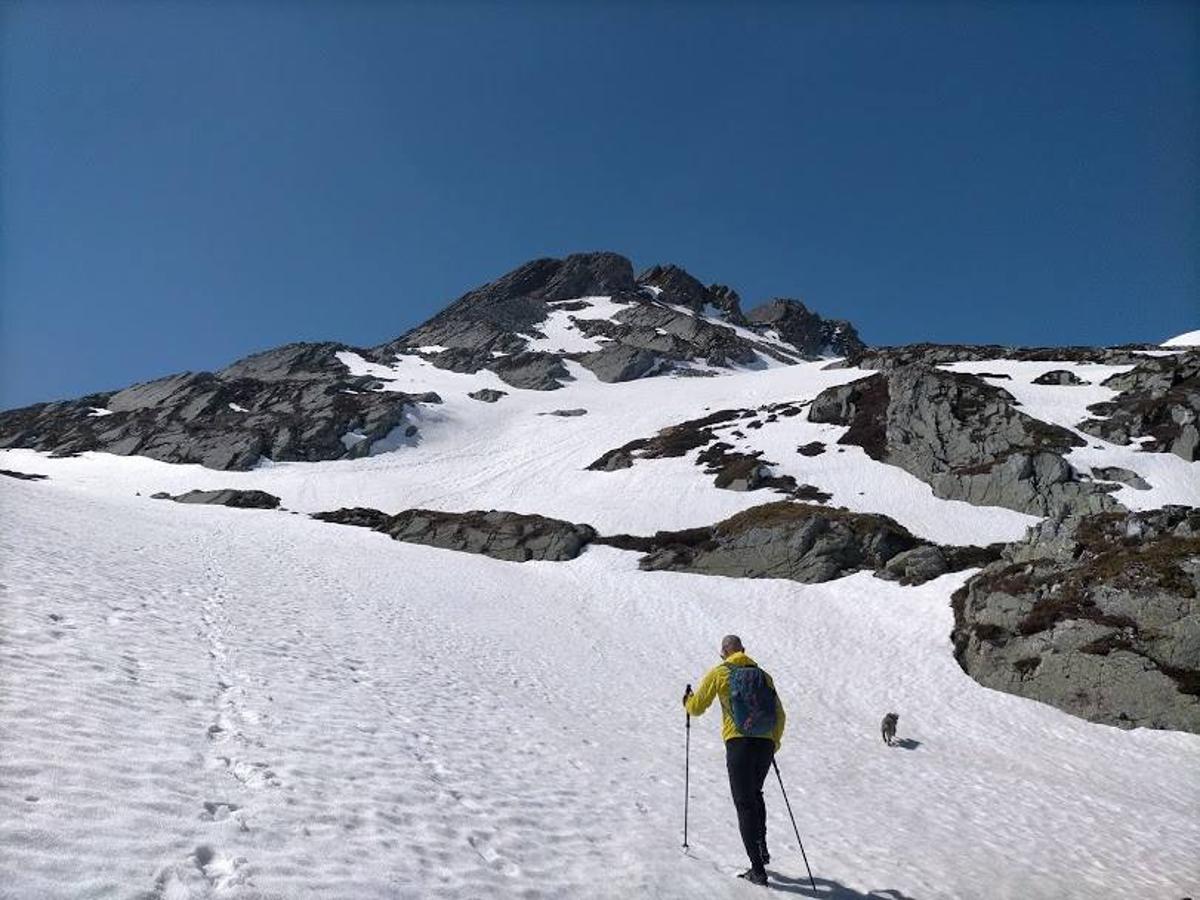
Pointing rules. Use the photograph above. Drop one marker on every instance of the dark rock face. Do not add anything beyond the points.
(813, 336)
(812, 448)
(532, 371)
(298, 402)
(495, 318)
(1060, 377)
(963, 437)
(226, 497)
(1097, 615)
(359, 516)
(1159, 400)
(565, 413)
(487, 395)
(500, 535)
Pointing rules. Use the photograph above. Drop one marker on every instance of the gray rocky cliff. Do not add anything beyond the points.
(297, 402)
(965, 438)
(1097, 615)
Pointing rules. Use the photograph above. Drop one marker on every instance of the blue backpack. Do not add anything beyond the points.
(751, 701)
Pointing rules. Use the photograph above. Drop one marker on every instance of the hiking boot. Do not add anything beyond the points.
(755, 876)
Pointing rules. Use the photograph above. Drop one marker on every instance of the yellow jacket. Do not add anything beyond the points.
(716, 685)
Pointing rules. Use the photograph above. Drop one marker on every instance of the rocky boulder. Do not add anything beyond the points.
(1159, 404)
(799, 542)
(1097, 615)
(239, 499)
(501, 535)
(487, 395)
(963, 437)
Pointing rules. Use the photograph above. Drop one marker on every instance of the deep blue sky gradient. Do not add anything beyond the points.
(184, 183)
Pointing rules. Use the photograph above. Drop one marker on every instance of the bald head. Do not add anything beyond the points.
(730, 644)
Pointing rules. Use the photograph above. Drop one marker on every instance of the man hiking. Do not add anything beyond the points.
(752, 720)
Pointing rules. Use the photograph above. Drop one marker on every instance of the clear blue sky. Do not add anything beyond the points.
(183, 183)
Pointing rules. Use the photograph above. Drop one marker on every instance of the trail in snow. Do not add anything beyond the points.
(207, 702)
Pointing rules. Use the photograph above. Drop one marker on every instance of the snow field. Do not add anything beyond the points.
(246, 704)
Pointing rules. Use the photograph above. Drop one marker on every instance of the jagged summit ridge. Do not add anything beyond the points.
(589, 308)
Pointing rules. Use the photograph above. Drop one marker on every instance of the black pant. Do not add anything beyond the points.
(748, 761)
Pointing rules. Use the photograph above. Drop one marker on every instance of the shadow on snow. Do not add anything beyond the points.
(830, 890)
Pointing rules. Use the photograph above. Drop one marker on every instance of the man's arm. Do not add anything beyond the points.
(703, 696)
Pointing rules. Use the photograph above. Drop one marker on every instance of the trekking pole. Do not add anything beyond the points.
(794, 828)
(687, 752)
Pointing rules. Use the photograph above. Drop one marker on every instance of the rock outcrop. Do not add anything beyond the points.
(812, 335)
(1097, 615)
(297, 403)
(679, 286)
(963, 437)
(23, 476)
(239, 499)
(1060, 377)
(1159, 404)
(501, 535)
(487, 395)
(799, 542)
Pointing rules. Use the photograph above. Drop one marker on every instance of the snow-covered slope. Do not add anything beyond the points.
(1187, 339)
(207, 702)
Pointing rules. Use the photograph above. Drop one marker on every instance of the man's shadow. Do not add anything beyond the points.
(830, 890)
